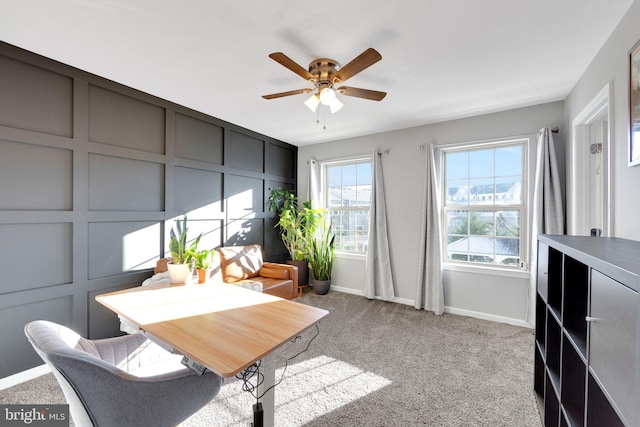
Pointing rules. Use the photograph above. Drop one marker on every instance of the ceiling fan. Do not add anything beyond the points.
(323, 74)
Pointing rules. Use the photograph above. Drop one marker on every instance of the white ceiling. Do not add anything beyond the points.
(442, 59)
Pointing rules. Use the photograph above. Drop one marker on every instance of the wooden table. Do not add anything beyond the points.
(223, 327)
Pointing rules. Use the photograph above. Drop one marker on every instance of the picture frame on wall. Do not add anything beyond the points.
(634, 105)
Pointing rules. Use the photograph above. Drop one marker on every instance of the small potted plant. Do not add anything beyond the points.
(321, 259)
(203, 259)
(181, 267)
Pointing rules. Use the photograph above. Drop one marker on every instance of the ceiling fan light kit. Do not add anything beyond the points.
(323, 74)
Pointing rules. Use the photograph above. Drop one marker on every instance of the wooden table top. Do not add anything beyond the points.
(223, 327)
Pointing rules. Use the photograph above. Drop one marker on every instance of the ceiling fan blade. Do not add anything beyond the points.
(289, 63)
(291, 92)
(361, 62)
(373, 95)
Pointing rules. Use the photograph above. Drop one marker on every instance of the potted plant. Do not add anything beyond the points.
(321, 259)
(297, 226)
(180, 267)
(203, 259)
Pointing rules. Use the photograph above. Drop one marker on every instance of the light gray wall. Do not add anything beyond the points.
(611, 65)
(92, 174)
(487, 295)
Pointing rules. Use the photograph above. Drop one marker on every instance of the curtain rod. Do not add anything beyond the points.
(422, 147)
(381, 152)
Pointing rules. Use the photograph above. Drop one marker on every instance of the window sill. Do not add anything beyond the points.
(489, 270)
(347, 255)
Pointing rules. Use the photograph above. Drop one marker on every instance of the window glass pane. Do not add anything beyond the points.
(481, 223)
(363, 195)
(508, 223)
(508, 251)
(481, 249)
(509, 161)
(351, 229)
(334, 176)
(457, 192)
(481, 163)
(457, 224)
(481, 191)
(458, 248)
(349, 175)
(334, 196)
(364, 173)
(457, 165)
(509, 190)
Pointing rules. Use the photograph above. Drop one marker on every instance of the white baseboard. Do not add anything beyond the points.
(486, 316)
(361, 293)
(450, 310)
(23, 376)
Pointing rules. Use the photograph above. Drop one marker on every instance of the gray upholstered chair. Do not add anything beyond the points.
(121, 381)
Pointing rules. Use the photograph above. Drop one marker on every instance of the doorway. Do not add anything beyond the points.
(589, 207)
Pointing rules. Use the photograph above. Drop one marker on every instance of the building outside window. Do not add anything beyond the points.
(484, 203)
(347, 197)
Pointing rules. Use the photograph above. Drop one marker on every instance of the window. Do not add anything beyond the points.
(347, 197)
(484, 203)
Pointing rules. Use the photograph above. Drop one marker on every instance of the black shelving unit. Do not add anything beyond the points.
(554, 277)
(573, 383)
(576, 288)
(587, 352)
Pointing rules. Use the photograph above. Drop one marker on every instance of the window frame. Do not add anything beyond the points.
(324, 194)
(523, 207)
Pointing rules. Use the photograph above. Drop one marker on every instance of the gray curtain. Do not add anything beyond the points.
(430, 292)
(547, 213)
(313, 186)
(378, 276)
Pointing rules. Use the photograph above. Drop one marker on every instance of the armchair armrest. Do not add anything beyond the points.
(278, 271)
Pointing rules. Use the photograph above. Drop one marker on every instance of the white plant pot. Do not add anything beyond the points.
(179, 273)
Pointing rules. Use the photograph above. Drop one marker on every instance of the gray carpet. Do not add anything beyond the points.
(380, 364)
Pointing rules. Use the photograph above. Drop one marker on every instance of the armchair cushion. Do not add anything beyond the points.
(240, 262)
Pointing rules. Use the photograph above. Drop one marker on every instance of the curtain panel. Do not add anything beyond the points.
(378, 275)
(547, 215)
(430, 292)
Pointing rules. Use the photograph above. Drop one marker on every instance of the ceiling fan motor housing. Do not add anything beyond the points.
(323, 70)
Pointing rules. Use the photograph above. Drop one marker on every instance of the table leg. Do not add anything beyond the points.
(268, 369)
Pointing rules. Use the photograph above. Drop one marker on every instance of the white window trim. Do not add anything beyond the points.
(323, 196)
(525, 227)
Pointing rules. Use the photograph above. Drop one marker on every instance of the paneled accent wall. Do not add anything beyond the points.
(92, 175)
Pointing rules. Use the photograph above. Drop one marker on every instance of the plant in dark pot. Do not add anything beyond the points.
(181, 266)
(297, 226)
(321, 259)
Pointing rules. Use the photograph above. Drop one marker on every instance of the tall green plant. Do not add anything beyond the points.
(180, 253)
(322, 253)
(297, 223)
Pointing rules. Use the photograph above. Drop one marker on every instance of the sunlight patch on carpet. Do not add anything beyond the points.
(309, 390)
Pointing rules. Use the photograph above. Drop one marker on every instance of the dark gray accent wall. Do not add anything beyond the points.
(92, 175)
